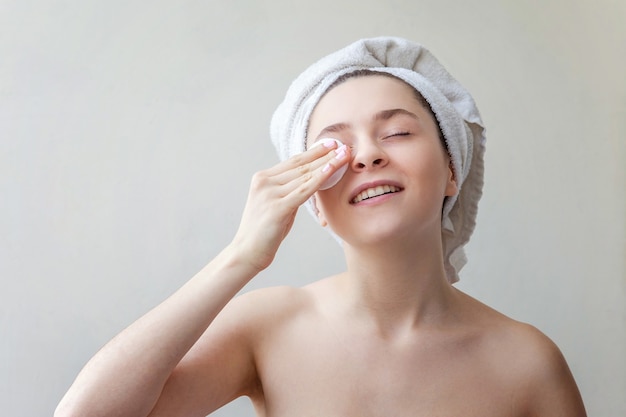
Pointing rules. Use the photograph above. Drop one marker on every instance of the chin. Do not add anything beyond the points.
(389, 232)
(373, 235)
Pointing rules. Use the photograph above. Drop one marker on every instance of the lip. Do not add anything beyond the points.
(373, 184)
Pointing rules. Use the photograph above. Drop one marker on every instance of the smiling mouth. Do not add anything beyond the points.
(375, 192)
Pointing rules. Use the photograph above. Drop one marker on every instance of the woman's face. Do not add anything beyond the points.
(399, 173)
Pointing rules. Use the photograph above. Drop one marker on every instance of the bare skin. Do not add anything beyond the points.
(390, 336)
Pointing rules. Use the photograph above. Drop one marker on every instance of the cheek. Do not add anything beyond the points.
(429, 168)
(424, 162)
(324, 200)
(328, 204)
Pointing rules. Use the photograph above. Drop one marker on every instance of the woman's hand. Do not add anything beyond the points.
(275, 195)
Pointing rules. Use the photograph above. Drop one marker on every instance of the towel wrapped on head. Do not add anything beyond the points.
(454, 108)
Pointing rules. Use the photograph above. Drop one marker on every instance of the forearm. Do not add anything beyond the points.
(126, 377)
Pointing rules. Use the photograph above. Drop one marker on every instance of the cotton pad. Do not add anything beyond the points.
(333, 179)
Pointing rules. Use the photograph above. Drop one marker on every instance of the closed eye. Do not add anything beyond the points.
(397, 134)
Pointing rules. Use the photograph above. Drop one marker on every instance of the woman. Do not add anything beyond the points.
(390, 335)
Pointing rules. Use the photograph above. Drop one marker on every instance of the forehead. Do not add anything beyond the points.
(379, 86)
(361, 97)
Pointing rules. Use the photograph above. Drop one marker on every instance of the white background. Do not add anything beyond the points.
(129, 131)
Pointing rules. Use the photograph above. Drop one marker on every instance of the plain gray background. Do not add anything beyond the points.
(129, 131)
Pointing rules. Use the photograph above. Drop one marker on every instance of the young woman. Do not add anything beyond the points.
(390, 335)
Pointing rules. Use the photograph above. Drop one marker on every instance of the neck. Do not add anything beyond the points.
(398, 285)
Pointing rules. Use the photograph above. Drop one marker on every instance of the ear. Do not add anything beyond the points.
(451, 184)
(320, 215)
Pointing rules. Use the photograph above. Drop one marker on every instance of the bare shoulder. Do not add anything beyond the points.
(284, 302)
(259, 311)
(274, 301)
(533, 354)
(223, 363)
(550, 385)
(531, 361)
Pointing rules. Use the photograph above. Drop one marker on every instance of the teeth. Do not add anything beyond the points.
(374, 192)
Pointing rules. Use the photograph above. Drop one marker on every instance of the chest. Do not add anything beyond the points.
(321, 373)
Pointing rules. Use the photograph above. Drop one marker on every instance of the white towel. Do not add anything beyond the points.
(453, 106)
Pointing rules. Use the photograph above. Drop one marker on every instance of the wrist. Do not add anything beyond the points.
(236, 255)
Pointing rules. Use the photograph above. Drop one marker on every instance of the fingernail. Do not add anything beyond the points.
(326, 168)
(328, 143)
(341, 154)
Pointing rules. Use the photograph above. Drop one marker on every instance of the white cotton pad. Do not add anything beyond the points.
(333, 179)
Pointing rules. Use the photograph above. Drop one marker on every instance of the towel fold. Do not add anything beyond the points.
(453, 106)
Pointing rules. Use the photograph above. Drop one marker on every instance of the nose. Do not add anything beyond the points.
(368, 154)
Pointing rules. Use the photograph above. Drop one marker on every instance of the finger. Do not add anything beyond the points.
(306, 157)
(303, 186)
(301, 173)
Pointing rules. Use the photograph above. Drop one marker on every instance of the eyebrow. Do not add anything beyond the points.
(334, 128)
(388, 114)
(381, 115)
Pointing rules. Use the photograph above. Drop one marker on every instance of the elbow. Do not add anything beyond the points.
(64, 410)
(68, 408)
